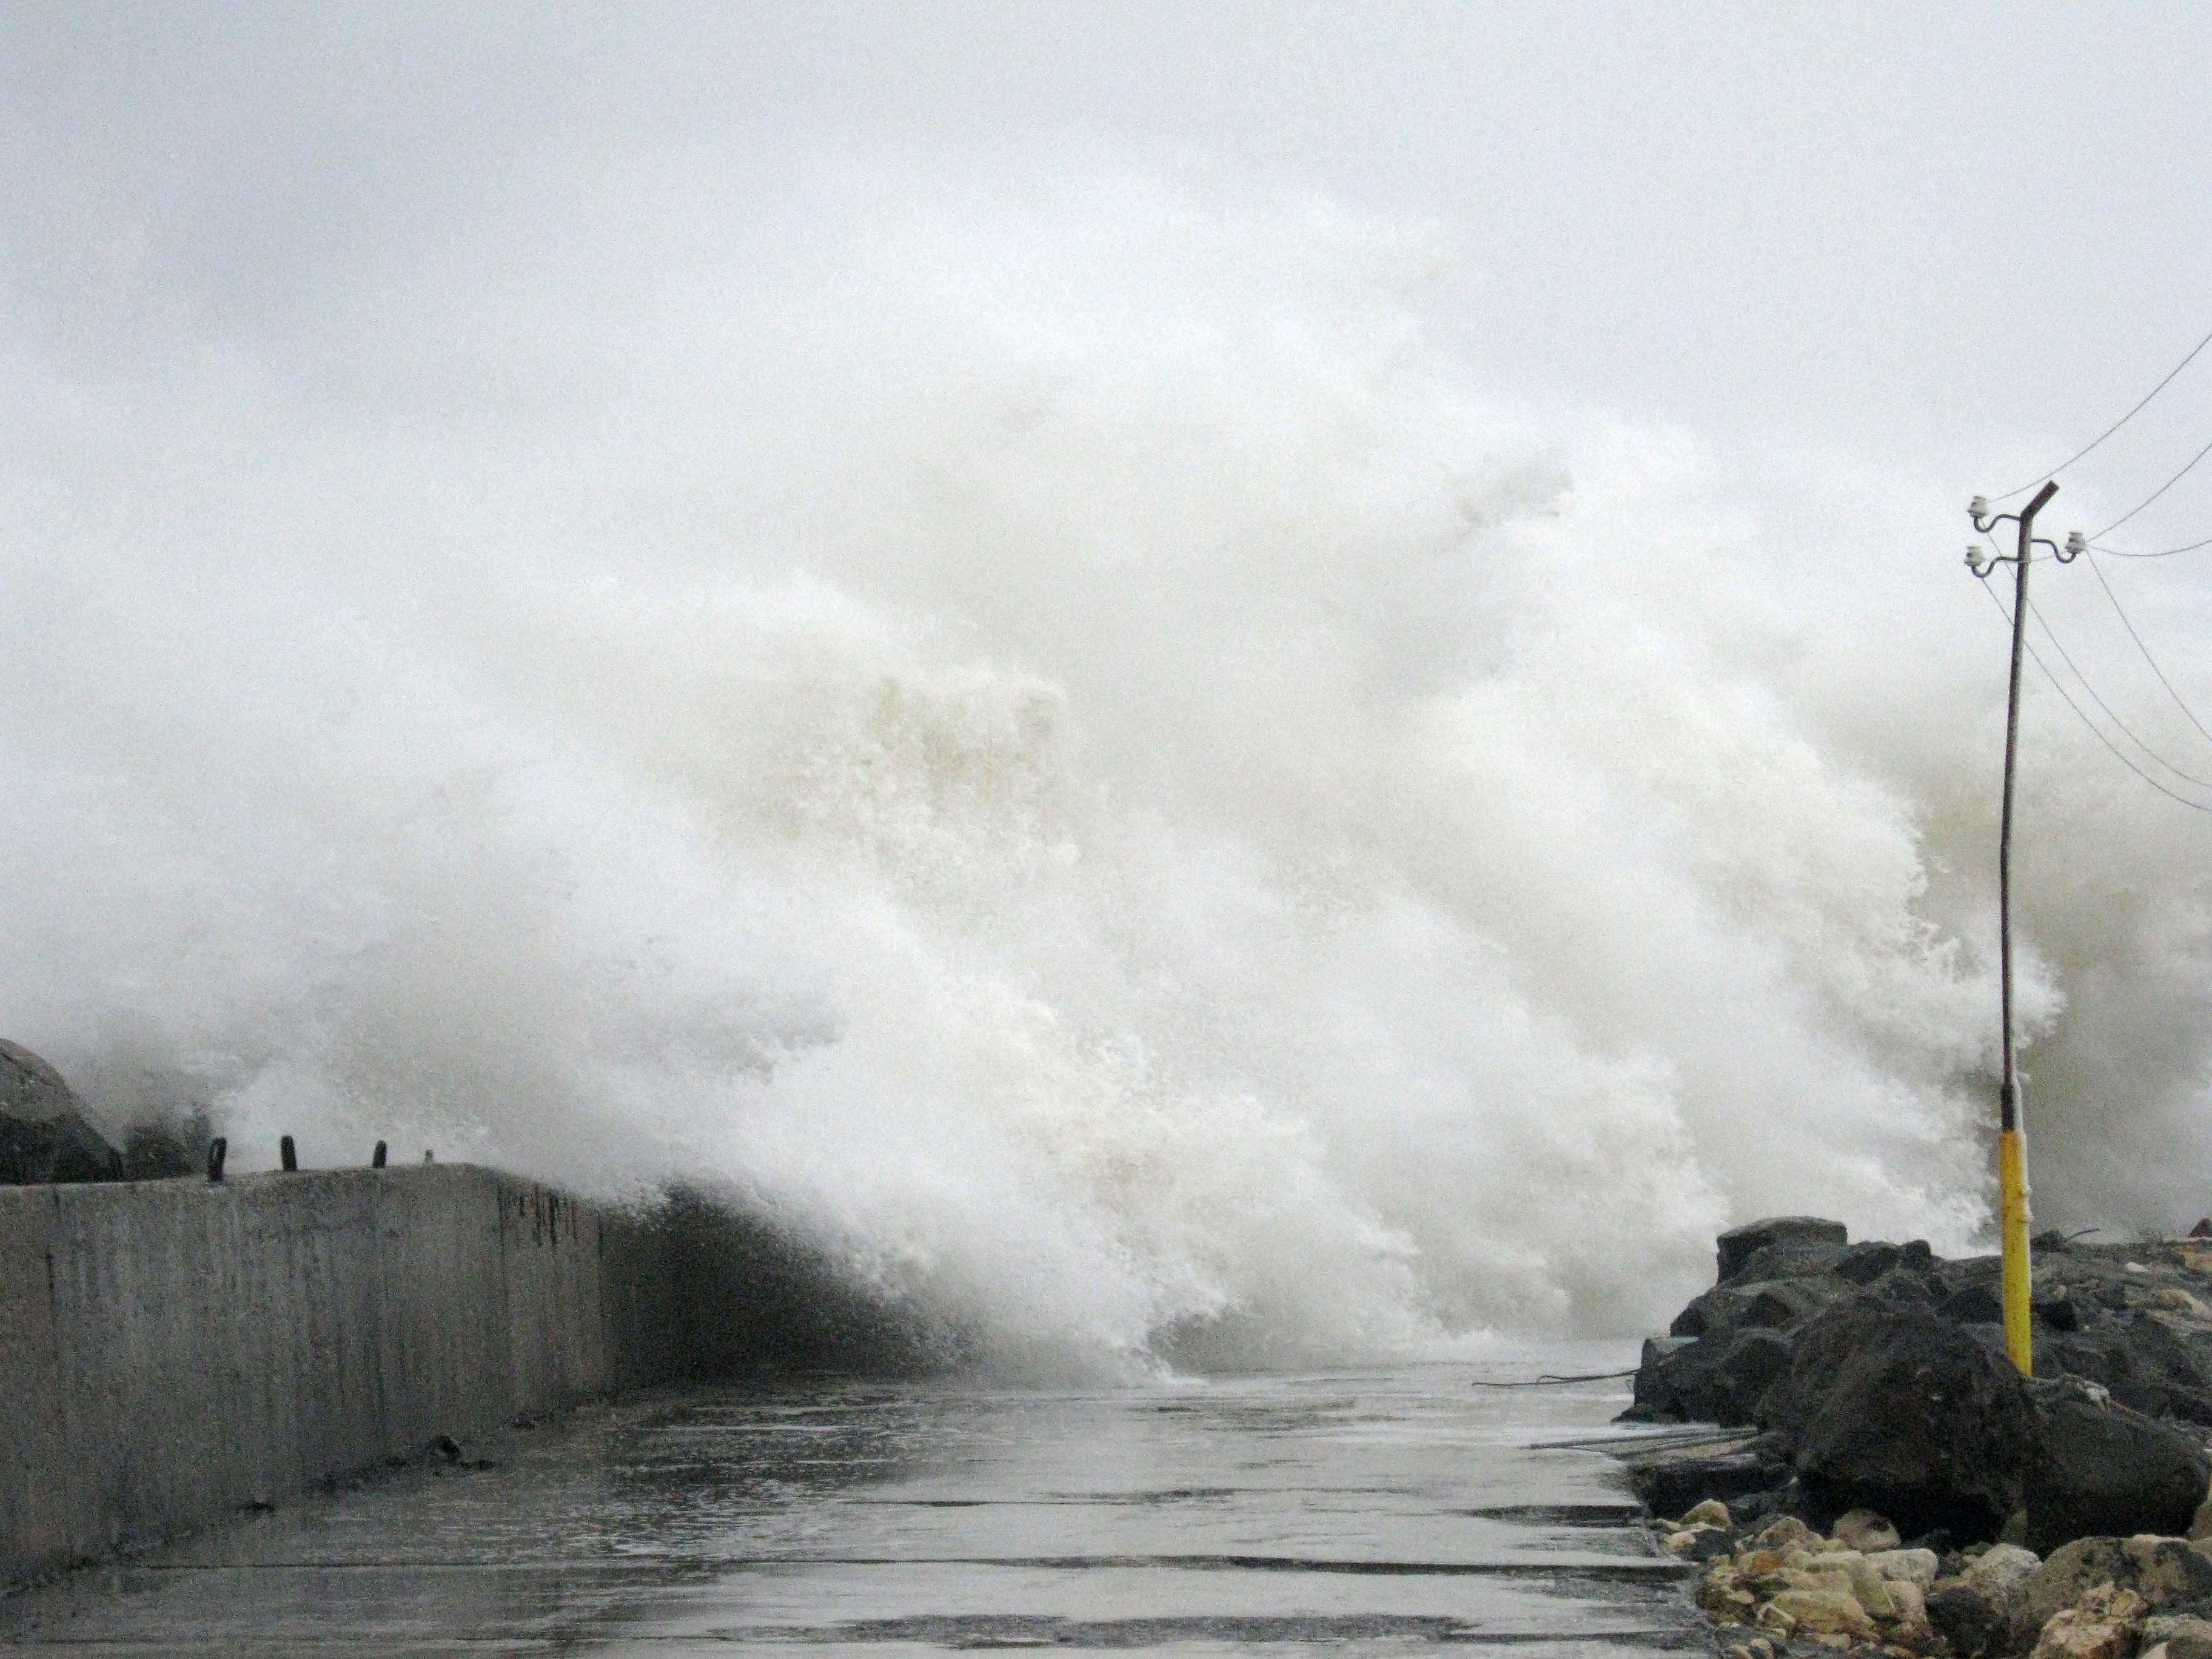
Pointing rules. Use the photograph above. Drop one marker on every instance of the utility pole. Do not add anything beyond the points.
(2012, 1151)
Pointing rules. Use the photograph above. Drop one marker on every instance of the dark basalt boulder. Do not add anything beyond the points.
(1791, 1260)
(1863, 1264)
(1889, 1407)
(1775, 1304)
(43, 1134)
(2100, 1469)
(1674, 1479)
(2057, 1309)
(1968, 1620)
(2147, 1362)
(1803, 1237)
(1974, 1304)
(2134, 1318)
(1713, 1379)
(159, 1148)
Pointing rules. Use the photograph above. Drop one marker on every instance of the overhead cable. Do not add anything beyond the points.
(2095, 729)
(2122, 614)
(2126, 731)
(2154, 495)
(2111, 429)
(2163, 553)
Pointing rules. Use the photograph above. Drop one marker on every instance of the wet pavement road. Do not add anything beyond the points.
(1373, 1512)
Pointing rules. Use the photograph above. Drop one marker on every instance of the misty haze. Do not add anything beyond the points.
(1097, 752)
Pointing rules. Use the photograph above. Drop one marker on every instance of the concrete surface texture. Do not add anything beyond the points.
(1368, 1513)
(174, 1352)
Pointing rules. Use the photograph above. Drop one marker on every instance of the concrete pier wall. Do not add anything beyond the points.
(173, 1352)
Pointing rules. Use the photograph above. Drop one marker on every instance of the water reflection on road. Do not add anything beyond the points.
(1379, 1511)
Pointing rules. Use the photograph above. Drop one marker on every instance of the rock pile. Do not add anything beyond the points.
(2136, 1318)
(1777, 1586)
(1768, 1585)
(1899, 1486)
(1876, 1375)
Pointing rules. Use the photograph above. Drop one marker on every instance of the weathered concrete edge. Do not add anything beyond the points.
(173, 1352)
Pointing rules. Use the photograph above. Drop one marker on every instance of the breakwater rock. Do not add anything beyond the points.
(1780, 1586)
(43, 1134)
(1873, 1376)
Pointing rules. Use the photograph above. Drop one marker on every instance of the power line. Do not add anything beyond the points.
(2111, 429)
(2098, 571)
(2154, 493)
(2095, 731)
(2126, 731)
(2163, 553)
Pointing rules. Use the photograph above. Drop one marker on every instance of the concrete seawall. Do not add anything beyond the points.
(173, 1352)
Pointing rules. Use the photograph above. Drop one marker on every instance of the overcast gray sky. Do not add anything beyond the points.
(1950, 240)
(1882, 221)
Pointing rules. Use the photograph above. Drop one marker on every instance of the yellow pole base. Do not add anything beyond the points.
(2012, 1223)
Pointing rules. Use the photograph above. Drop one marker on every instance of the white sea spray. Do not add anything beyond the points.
(1075, 758)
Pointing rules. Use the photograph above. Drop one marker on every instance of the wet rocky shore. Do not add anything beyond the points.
(1880, 1476)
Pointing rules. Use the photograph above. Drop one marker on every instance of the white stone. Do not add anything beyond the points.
(2164, 1627)
(1834, 1611)
(1911, 1605)
(1916, 1567)
(2102, 1626)
(1786, 1532)
(1864, 1530)
(1998, 1573)
(1872, 1591)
